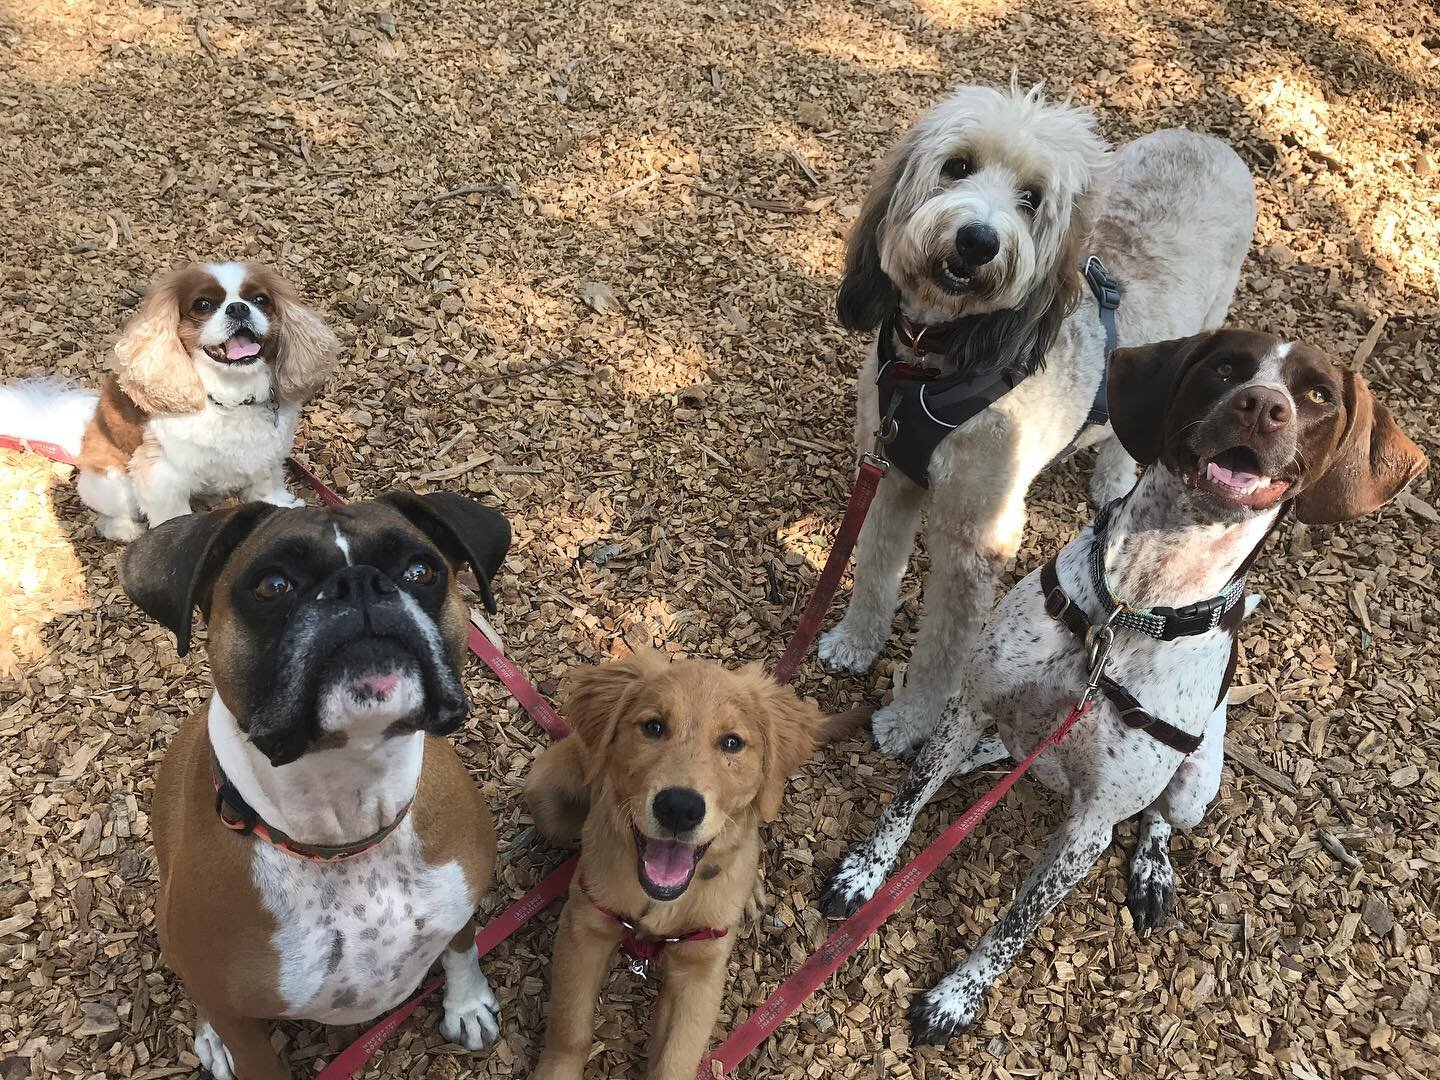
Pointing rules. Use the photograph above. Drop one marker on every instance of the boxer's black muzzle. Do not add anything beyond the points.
(357, 624)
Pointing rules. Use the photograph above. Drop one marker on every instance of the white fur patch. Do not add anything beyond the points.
(356, 937)
(344, 546)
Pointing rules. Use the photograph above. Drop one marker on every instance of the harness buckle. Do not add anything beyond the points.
(1057, 603)
(1197, 618)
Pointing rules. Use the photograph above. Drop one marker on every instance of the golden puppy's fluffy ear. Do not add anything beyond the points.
(791, 725)
(150, 362)
(595, 698)
(308, 350)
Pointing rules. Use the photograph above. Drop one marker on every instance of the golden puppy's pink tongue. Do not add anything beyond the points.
(241, 347)
(668, 863)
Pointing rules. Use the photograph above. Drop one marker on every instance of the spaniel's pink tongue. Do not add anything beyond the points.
(668, 862)
(241, 348)
(1233, 478)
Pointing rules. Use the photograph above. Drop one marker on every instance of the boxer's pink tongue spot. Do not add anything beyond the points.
(381, 685)
(668, 862)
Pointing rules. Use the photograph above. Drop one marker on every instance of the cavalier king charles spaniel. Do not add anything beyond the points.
(209, 378)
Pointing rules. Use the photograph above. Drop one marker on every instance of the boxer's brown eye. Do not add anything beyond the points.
(419, 572)
(272, 586)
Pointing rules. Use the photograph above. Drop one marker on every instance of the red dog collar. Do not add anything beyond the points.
(235, 813)
(642, 948)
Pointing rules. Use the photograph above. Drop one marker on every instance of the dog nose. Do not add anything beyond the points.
(977, 244)
(238, 310)
(678, 809)
(358, 584)
(1262, 409)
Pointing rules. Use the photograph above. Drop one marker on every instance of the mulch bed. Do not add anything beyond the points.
(582, 257)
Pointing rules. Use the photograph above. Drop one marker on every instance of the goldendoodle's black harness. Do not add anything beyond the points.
(922, 406)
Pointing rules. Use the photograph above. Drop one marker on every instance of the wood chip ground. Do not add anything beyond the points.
(583, 256)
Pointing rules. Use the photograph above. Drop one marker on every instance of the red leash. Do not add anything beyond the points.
(53, 451)
(853, 932)
(867, 481)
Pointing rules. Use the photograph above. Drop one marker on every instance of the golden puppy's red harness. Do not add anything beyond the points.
(642, 948)
(237, 814)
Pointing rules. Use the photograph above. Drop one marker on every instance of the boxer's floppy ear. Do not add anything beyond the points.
(1140, 383)
(170, 569)
(1372, 462)
(463, 529)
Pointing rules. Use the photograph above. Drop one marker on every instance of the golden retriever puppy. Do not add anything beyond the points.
(670, 772)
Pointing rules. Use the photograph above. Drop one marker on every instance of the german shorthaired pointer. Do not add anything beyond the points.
(1235, 427)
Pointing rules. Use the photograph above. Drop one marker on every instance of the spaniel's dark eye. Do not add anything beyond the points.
(273, 586)
(732, 743)
(1030, 199)
(202, 305)
(956, 168)
(1224, 370)
(418, 572)
(1318, 395)
(260, 300)
(654, 728)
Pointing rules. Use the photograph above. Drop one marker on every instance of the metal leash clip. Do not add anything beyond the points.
(1098, 641)
(884, 435)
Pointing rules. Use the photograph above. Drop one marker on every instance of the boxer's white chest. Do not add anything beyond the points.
(355, 937)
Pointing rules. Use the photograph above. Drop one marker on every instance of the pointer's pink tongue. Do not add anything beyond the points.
(1231, 477)
(241, 348)
(668, 863)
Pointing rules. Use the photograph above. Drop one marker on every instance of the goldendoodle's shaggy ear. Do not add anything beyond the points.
(792, 724)
(1373, 461)
(596, 698)
(867, 295)
(1140, 384)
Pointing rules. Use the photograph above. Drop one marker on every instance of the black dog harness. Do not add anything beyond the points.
(922, 406)
(1160, 623)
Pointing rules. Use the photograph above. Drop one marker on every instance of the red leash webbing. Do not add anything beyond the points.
(53, 451)
(867, 481)
(853, 932)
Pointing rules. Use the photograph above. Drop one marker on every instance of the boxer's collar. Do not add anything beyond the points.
(235, 813)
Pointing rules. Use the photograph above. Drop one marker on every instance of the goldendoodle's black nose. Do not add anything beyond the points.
(977, 244)
(678, 809)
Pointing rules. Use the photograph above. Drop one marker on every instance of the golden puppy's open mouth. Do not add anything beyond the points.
(665, 867)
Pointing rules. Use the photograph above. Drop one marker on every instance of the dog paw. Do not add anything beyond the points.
(946, 1010)
(214, 1057)
(853, 884)
(120, 529)
(1252, 603)
(281, 497)
(842, 649)
(902, 726)
(1151, 893)
(473, 1021)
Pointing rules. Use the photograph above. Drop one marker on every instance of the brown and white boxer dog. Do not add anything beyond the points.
(319, 844)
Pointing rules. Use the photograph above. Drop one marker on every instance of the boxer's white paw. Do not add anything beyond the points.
(213, 1055)
(280, 497)
(843, 648)
(903, 725)
(472, 1014)
(122, 529)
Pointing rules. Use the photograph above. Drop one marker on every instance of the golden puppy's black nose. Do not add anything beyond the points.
(678, 809)
(1262, 409)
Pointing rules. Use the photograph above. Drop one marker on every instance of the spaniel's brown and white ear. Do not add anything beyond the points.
(1372, 463)
(595, 700)
(867, 294)
(151, 364)
(307, 350)
(1140, 383)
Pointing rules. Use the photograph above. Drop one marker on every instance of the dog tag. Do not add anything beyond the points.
(639, 967)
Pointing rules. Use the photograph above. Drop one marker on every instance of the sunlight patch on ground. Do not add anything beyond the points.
(40, 577)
